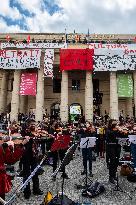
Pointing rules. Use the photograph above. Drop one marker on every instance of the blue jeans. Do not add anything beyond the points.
(87, 155)
(133, 152)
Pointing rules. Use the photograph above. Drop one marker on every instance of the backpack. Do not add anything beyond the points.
(93, 190)
(125, 170)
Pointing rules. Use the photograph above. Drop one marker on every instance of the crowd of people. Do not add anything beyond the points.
(33, 139)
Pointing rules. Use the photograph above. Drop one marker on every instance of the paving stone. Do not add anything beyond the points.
(100, 171)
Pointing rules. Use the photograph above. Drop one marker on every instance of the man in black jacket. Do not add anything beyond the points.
(113, 150)
(29, 161)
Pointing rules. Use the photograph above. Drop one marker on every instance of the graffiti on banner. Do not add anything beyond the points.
(32, 45)
(48, 62)
(112, 46)
(28, 84)
(106, 59)
(76, 59)
(20, 59)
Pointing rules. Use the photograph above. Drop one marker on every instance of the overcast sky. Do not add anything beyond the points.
(99, 16)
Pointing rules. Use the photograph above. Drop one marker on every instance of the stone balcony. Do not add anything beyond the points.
(71, 37)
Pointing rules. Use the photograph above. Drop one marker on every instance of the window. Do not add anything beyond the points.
(95, 85)
(56, 85)
(75, 84)
(10, 85)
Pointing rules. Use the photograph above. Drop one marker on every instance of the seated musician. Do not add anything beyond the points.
(7, 156)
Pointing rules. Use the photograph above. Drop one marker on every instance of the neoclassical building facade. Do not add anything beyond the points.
(55, 95)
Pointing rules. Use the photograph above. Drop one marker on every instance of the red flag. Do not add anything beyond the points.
(8, 38)
(76, 59)
(28, 39)
(28, 84)
(135, 39)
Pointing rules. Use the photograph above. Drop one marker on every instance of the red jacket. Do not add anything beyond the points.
(7, 157)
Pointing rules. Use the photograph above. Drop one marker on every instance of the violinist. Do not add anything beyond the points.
(133, 147)
(7, 156)
(30, 161)
(113, 149)
(87, 152)
(56, 155)
(123, 131)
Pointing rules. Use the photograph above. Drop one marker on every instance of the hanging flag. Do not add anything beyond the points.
(28, 39)
(8, 38)
(88, 33)
(65, 35)
(48, 63)
(125, 85)
(76, 59)
(28, 84)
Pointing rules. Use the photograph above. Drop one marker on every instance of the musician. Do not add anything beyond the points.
(56, 155)
(133, 147)
(30, 161)
(7, 156)
(87, 152)
(113, 150)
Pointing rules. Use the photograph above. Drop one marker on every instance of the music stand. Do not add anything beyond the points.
(86, 143)
(68, 157)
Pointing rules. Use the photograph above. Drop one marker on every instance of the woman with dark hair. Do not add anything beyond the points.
(113, 150)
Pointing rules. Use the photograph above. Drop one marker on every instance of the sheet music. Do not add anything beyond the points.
(132, 138)
(91, 142)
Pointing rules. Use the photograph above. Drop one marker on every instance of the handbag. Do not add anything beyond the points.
(125, 170)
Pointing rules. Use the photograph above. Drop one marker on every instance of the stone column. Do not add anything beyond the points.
(89, 97)
(4, 90)
(64, 97)
(134, 78)
(40, 92)
(129, 107)
(23, 104)
(15, 96)
(113, 96)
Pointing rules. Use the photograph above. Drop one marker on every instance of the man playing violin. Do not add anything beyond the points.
(30, 161)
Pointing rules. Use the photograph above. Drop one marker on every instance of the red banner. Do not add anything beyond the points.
(76, 59)
(28, 84)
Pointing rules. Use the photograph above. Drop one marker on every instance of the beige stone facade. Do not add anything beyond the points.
(45, 97)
